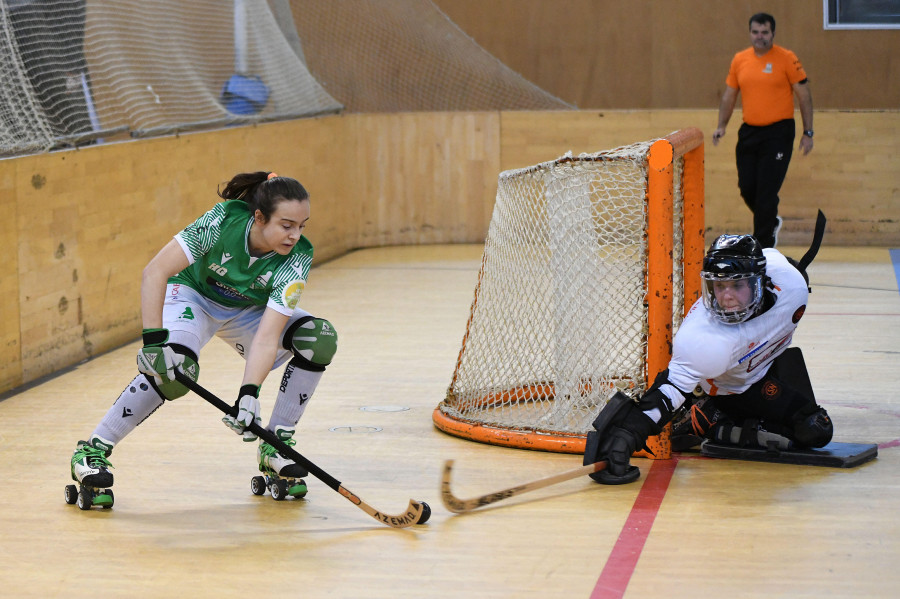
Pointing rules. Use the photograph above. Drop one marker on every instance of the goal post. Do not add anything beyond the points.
(589, 265)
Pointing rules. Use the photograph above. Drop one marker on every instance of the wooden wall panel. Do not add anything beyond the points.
(87, 221)
(426, 177)
(851, 174)
(99, 214)
(10, 335)
(646, 54)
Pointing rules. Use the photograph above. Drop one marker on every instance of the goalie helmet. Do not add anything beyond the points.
(733, 274)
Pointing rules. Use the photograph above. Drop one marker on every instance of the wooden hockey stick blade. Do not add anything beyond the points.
(417, 512)
(460, 506)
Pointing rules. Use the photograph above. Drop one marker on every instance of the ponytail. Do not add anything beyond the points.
(262, 191)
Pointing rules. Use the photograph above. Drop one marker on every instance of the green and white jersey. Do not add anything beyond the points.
(223, 270)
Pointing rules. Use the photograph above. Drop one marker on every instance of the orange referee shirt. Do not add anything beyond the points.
(765, 84)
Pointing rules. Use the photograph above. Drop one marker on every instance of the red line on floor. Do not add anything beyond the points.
(625, 554)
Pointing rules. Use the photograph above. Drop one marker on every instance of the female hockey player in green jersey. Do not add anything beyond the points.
(236, 272)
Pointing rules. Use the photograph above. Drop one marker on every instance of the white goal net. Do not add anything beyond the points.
(76, 70)
(559, 321)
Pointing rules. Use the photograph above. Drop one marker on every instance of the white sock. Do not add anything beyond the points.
(133, 406)
(297, 386)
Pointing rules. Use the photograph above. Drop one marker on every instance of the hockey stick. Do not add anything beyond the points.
(417, 512)
(460, 506)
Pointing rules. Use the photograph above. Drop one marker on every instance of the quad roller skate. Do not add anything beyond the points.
(90, 469)
(282, 477)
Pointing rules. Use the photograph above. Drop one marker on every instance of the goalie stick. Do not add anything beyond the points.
(417, 512)
(460, 506)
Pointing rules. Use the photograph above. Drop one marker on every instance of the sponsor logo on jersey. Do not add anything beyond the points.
(774, 350)
(291, 294)
(750, 354)
(226, 291)
(188, 314)
(225, 257)
(219, 270)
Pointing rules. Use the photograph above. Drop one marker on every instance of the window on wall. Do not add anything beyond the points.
(862, 14)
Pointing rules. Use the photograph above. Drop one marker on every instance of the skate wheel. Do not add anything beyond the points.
(258, 485)
(279, 489)
(85, 498)
(71, 494)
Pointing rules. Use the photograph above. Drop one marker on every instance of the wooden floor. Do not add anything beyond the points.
(186, 524)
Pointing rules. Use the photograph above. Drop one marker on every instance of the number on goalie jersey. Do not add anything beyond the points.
(237, 272)
(733, 345)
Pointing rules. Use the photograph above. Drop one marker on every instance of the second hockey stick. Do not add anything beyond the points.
(417, 512)
(460, 506)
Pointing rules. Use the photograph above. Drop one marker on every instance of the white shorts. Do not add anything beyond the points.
(193, 319)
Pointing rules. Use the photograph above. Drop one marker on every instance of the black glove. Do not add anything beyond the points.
(623, 432)
(617, 449)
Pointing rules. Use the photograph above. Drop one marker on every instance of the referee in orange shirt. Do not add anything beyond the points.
(769, 77)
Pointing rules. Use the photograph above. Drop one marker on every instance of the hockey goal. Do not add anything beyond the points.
(588, 267)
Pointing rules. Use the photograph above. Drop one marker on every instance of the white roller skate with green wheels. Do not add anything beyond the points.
(282, 477)
(90, 469)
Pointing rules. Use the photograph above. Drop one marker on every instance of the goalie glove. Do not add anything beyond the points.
(247, 406)
(619, 430)
(156, 358)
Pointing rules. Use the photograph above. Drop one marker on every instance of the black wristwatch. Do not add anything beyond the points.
(808, 133)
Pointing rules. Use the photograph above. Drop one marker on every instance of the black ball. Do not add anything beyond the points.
(426, 513)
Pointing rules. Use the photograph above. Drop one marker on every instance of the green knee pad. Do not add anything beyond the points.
(313, 342)
(174, 389)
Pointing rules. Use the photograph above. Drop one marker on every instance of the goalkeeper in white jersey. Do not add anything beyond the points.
(733, 377)
(236, 272)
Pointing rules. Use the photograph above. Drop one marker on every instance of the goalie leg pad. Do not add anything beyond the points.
(790, 368)
(835, 455)
(313, 341)
(174, 389)
(813, 427)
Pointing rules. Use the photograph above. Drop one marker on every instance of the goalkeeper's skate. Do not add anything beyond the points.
(692, 423)
(282, 477)
(90, 469)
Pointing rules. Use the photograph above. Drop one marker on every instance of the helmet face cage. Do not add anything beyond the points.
(734, 258)
(732, 315)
